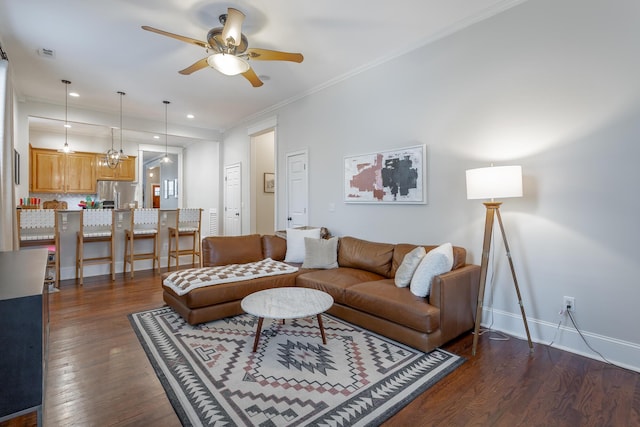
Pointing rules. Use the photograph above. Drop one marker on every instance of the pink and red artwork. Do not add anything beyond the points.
(393, 176)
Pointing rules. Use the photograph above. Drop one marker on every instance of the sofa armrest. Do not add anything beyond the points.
(456, 295)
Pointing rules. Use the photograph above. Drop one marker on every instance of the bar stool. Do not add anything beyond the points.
(187, 224)
(144, 226)
(39, 227)
(96, 225)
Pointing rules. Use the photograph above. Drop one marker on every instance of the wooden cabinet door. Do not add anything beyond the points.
(125, 171)
(80, 173)
(104, 172)
(47, 170)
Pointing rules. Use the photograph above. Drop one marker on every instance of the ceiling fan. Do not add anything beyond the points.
(228, 48)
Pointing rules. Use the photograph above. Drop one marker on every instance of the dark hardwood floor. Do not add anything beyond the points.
(98, 374)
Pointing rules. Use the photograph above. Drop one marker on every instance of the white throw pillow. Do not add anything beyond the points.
(295, 243)
(320, 253)
(409, 265)
(436, 261)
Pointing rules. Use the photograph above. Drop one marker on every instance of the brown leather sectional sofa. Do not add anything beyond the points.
(362, 287)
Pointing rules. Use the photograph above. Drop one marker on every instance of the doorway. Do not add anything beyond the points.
(297, 189)
(156, 196)
(232, 200)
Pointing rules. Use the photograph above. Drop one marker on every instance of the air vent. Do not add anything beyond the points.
(47, 53)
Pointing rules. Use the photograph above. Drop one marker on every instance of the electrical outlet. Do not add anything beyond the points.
(569, 303)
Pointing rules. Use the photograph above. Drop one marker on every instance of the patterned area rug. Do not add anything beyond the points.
(212, 377)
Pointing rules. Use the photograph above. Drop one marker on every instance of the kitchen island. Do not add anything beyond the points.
(69, 225)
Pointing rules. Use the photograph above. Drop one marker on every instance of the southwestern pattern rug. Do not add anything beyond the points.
(212, 378)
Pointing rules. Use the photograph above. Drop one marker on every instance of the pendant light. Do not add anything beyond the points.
(121, 154)
(66, 148)
(166, 158)
(111, 159)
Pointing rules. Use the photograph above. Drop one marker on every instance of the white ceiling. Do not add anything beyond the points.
(100, 47)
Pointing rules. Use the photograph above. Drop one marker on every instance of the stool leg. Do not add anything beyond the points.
(169, 251)
(80, 259)
(193, 249)
(177, 249)
(131, 255)
(112, 255)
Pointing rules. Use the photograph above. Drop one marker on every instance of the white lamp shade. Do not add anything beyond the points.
(228, 64)
(494, 182)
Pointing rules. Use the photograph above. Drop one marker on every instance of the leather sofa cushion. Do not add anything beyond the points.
(370, 256)
(224, 250)
(274, 247)
(401, 249)
(335, 281)
(383, 299)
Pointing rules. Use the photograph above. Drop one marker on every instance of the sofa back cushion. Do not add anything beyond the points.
(274, 247)
(223, 250)
(401, 249)
(369, 256)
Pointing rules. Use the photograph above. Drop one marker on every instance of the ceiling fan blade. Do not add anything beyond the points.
(196, 66)
(273, 55)
(177, 37)
(252, 77)
(232, 31)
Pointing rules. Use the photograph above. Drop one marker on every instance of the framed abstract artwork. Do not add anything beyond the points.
(395, 176)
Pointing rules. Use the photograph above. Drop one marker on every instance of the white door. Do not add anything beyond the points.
(297, 189)
(232, 200)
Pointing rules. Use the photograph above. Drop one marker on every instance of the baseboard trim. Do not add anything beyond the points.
(564, 337)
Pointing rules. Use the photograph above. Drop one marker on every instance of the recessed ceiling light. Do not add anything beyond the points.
(190, 116)
(156, 137)
(74, 94)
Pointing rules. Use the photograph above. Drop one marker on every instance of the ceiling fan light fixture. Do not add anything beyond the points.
(232, 31)
(227, 64)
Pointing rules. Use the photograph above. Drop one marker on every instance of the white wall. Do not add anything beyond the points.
(202, 180)
(549, 85)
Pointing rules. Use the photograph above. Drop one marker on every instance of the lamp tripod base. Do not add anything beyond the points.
(493, 210)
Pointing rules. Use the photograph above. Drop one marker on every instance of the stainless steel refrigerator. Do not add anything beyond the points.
(122, 193)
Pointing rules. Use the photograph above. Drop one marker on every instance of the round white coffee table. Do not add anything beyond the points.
(287, 303)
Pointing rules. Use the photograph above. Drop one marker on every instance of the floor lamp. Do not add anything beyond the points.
(494, 183)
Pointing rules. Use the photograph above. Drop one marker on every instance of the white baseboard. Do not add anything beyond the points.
(622, 353)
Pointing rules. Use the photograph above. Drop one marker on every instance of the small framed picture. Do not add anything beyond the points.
(269, 182)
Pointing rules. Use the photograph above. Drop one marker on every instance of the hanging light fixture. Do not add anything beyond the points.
(66, 148)
(111, 157)
(166, 158)
(121, 154)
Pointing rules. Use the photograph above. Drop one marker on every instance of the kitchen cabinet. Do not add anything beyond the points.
(125, 171)
(55, 172)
